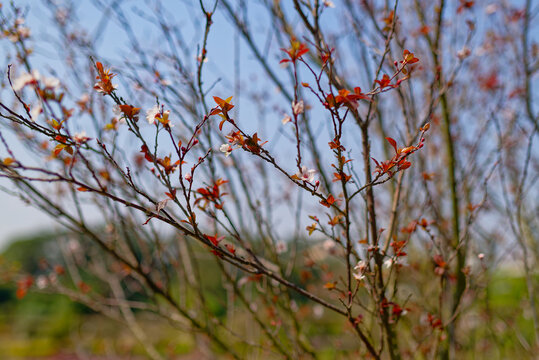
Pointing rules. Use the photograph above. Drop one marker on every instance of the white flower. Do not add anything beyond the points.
(286, 119)
(23, 32)
(151, 114)
(359, 276)
(25, 79)
(84, 99)
(51, 82)
(328, 245)
(280, 247)
(53, 279)
(306, 174)
(226, 148)
(298, 107)
(161, 205)
(491, 9)
(318, 311)
(481, 256)
(34, 113)
(464, 53)
(80, 137)
(199, 58)
(73, 246)
(388, 263)
(361, 266)
(42, 282)
(61, 15)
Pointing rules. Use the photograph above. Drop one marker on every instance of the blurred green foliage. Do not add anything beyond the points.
(42, 325)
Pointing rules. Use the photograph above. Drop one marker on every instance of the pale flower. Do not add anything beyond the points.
(298, 107)
(35, 111)
(151, 114)
(23, 32)
(280, 247)
(464, 53)
(329, 4)
(51, 82)
(25, 79)
(491, 9)
(361, 266)
(226, 148)
(42, 282)
(80, 137)
(101, 87)
(329, 245)
(318, 311)
(306, 174)
(116, 110)
(388, 263)
(84, 100)
(359, 276)
(286, 119)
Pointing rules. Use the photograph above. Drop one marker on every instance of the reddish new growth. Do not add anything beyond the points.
(441, 265)
(211, 194)
(236, 138)
(409, 58)
(399, 161)
(167, 165)
(345, 97)
(104, 85)
(222, 109)
(130, 112)
(295, 51)
(385, 82)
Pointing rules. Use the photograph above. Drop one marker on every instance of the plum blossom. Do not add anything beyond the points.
(305, 174)
(42, 282)
(21, 32)
(361, 266)
(280, 247)
(51, 82)
(80, 137)
(360, 270)
(226, 148)
(298, 107)
(286, 119)
(329, 245)
(152, 114)
(318, 311)
(491, 9)
(464, 53)
(26, 79)
(35, 111)
(358, 276)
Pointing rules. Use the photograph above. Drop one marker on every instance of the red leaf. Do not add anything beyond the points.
(392, 142)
